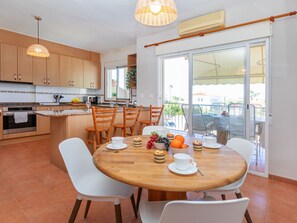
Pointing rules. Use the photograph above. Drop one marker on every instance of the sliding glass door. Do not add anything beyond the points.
(226, 97)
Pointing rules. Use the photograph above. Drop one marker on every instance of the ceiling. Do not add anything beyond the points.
(96, 25)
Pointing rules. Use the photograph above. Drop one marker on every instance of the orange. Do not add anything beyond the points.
(176, 143)
(184, 146)
(180, 138)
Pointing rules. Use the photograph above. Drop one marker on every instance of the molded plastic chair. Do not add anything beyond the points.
(245, 148)
(230, 211)
(130, 118)
(155, 116)
(89, 182)
(161, 130)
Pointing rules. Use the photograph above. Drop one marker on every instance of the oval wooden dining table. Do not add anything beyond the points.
(136, 166)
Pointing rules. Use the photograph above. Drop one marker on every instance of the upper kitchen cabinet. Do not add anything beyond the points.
(16, 65)
(71, 72)
(77, 74)
(52, 70)
(91, 75)
(65, 71)
(46, 70)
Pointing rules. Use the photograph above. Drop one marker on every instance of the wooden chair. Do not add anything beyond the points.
(155, 116)
(103, 119)
(130, 118)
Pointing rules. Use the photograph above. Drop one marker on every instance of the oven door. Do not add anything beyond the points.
(9, 125)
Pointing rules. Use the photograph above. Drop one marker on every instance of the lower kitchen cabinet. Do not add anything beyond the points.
(43, 124)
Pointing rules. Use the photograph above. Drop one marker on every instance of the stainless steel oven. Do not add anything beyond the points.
(10, 125)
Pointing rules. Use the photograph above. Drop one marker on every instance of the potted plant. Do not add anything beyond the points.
(131, 78)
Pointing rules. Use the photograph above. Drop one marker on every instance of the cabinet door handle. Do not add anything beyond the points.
(44, 81)
(20, 77)
(48, 81)
(15, 77)
(69, 83)
(72, 83)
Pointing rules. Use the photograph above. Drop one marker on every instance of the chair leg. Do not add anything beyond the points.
(114, 131)
(246, 214)
(139, 131)
(88, 138)
(223, 196)
(133, 205)
(74, 211)
(138, 198)
(118, 213)
(87, 208)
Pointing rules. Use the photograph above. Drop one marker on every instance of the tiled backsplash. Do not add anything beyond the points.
(13, 92)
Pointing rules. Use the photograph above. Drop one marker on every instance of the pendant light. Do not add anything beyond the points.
(156, 12)
(37, 50)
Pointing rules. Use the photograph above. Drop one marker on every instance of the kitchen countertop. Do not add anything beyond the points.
(64, 112)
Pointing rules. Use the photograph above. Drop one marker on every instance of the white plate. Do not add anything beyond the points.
(123, 146)
(212, 145)
(191, 170)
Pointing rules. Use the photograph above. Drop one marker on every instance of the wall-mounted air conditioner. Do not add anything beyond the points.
(202, 23)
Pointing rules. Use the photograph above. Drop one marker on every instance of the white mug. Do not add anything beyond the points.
(210, 140)
(117, 141)
(183, 161)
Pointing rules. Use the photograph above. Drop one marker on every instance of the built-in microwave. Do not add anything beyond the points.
(93, 99)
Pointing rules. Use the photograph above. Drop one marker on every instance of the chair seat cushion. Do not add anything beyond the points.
(90, 129)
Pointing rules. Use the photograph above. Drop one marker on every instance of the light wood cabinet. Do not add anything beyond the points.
(65, 71)
(43, 124)
(52, 68)
(39, 71)
(91, 75)
(46, 70)
(16, 65)
(71, 72)
(77, 74)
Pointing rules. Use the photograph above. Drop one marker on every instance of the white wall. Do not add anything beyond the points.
(282, 149)
(112, 58)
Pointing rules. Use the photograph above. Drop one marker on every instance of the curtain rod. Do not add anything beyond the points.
(201, 34)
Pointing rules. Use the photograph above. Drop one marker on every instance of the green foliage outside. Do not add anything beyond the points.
(173, 107)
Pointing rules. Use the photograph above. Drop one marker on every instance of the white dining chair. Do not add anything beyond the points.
(161, 130)
(231, 211)
(89, 182)
(245, 148)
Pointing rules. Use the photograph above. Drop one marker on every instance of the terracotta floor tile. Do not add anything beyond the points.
(11, 212)
(33, 190)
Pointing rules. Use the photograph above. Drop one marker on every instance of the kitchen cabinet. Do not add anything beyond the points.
(16, 65)
(91, 75)
(71, 71)
(65, 71)
(43, 124)
(46, 70)
(77, 74)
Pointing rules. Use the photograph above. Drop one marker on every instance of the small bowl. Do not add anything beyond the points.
(179, 150)
(159, 145)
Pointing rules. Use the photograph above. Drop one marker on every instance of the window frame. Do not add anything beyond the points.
(106, 99)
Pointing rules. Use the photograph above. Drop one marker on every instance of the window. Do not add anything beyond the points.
(115, 84)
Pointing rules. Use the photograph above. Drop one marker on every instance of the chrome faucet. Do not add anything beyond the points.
(58, 97)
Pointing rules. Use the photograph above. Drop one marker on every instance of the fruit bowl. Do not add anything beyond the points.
(159, 145)
(179, 150)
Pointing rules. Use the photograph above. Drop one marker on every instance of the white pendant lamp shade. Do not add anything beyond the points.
(37, 50)
(156, 12)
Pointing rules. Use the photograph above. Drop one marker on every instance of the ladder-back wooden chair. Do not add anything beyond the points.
(155, 116)
(130, 118)
(103, 119)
